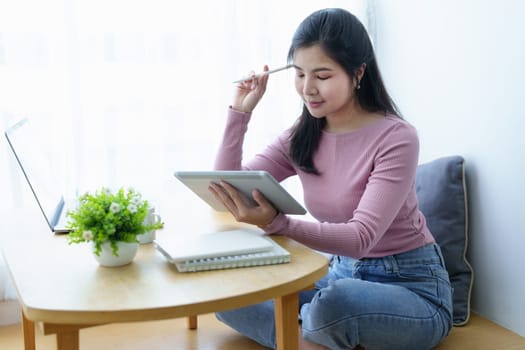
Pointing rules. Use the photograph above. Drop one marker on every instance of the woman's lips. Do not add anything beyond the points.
(313, 104)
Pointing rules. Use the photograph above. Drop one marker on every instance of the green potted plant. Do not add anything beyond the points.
(111, 221)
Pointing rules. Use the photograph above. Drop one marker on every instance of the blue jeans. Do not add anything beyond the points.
(402, 301)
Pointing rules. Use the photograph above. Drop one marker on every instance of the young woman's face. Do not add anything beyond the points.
(324, 86)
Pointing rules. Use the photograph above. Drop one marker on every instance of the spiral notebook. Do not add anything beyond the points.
(221, 250)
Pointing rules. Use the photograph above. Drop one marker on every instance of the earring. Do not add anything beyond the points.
(358, 85)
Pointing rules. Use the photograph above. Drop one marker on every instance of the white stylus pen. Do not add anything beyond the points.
(257, 75)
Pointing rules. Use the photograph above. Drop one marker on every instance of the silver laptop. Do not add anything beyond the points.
(39, 175)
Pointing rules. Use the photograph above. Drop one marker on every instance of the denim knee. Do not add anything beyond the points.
(325, 319)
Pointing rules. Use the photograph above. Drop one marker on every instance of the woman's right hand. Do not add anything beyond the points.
(248, 93)
(261, 214)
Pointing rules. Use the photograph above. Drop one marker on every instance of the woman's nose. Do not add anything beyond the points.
(309, 87)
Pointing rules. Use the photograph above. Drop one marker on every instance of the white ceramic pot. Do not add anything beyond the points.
(126, 254)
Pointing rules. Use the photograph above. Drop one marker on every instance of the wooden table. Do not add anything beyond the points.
(62, 287)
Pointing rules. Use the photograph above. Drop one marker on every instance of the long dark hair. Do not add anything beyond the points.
(344, 39)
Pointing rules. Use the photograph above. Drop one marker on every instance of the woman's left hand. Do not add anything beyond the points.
(260, 215)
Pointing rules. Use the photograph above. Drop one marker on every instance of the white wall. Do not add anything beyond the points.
(456, 70)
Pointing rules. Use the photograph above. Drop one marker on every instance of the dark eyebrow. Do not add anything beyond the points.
(316, 70)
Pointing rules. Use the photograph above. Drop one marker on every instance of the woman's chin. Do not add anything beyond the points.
(316, 112)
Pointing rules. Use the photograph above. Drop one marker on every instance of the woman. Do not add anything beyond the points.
(387, 287)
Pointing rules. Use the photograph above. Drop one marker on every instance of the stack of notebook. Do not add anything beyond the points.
(221, 250)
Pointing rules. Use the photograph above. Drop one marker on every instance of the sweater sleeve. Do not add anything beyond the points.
(274, 158)
(229, 156)
(387, 188)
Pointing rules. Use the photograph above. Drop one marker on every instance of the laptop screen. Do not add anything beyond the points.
(34, 161)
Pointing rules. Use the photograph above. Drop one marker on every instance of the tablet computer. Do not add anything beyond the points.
(245, 181)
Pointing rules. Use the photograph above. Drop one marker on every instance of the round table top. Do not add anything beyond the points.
(61, 283)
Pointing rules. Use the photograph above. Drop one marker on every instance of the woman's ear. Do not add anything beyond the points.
(360, 71)
(358, 75)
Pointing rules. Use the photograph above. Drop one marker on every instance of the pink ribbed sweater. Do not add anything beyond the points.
(364, 200)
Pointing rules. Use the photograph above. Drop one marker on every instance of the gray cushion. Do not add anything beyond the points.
(442, 196)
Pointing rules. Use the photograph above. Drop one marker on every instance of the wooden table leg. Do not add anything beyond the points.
(286, 321)
(68, 340)
(191, 322)
(68, 337)
(28, 330)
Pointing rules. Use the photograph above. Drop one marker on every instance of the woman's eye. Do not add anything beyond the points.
(323, 78)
